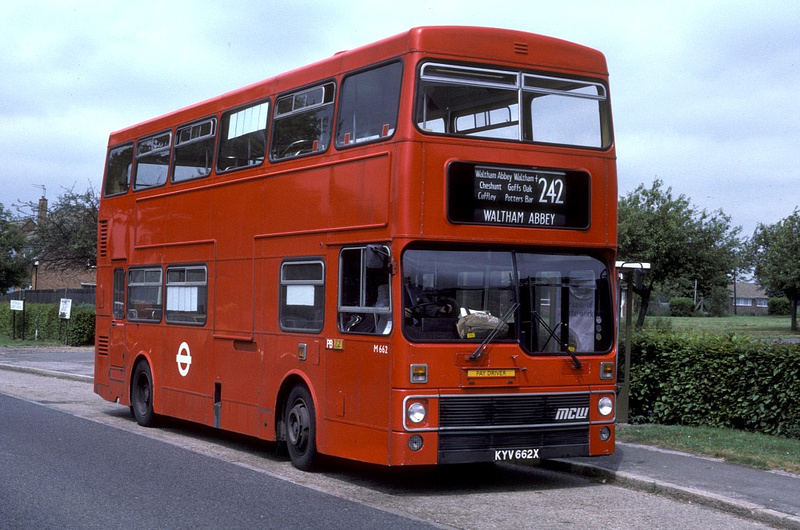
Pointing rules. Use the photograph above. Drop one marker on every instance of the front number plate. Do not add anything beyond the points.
(516, 454)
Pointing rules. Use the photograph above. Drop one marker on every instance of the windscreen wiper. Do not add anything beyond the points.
(552, 335)
(492, 334)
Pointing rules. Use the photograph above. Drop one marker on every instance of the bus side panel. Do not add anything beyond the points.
(236, 217)
(184, 373)
(355, 442)
(281, 353)
(360, 192)
(296, 201)
(149, 221)
(188, 216)
(234, 385)
(356, 403)
(233, 298)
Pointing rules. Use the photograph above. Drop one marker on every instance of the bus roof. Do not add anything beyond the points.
(524, 49)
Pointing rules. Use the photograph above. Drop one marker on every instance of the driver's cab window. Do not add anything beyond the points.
(364, 290)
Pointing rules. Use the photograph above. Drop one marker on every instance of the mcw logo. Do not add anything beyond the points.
(572, 413)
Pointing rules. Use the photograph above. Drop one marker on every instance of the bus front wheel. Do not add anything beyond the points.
(142, 395)
(301, 428)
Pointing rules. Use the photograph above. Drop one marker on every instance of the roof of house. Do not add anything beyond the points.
(748, 290)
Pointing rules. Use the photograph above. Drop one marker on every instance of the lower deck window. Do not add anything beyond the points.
(187, 295)
(144, 295)
(302, 299)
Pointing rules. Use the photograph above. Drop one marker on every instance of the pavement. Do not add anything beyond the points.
(770, 497)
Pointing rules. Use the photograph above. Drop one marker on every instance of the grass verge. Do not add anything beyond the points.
(746, 448)
(759, 327)
(6, 341)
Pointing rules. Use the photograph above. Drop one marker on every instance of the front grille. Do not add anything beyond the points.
(458, 412)
(485, 428)
(492, 440)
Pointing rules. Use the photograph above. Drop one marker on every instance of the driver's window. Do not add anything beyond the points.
(364, 290)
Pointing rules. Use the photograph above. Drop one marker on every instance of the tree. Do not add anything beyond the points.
(13, 262)
(775, 251)
(67, 236)
(682, 244)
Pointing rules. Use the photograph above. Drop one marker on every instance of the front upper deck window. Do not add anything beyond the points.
(515, 106)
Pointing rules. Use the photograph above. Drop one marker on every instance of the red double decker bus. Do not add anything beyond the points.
(403, 254)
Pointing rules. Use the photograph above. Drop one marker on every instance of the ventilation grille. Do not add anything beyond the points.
(102, 240)
(102, 345)
(521, 48)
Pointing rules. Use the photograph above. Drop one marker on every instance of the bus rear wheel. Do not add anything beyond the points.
(301, 428)
(142, 395)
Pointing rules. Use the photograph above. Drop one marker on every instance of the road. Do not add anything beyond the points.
(64, 471)
(69, 458)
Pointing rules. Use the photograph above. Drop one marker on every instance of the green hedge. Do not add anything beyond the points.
(779, 306)
(681, 307)
(732, 381)
(44, 318)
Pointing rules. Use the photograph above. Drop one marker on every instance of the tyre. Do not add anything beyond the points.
(142, 395)
(301, 428)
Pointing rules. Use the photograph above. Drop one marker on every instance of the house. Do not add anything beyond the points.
(748, 299)
(47, 276)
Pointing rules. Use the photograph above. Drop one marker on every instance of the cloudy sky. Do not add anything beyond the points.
(704, 92)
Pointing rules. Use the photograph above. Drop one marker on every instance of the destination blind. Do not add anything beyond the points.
(517, 196)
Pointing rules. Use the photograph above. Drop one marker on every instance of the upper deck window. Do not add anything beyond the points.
(194, 150)
(152, 161)
(564, 111)
(118, 169)
(516, 106)
(368, 105)
(243, 137)
(302, 123)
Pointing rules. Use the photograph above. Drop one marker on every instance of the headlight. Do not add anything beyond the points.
(416, 412)
(605, 406)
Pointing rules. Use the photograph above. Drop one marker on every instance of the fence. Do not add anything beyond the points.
(52, 296)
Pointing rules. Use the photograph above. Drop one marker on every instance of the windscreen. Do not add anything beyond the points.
(551, 302)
